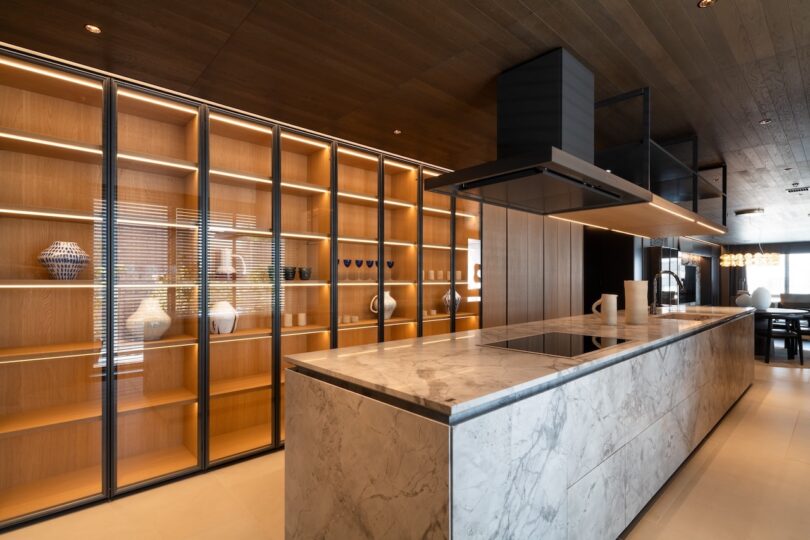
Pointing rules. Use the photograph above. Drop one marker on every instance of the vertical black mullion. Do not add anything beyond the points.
(695, 174)
(333, 246)
(420, 263)
(645, 127)
(109, 439)
(202, 347)
(481, 264)
(380, 248)
(725, 192)
(453, 264)
(276, 291)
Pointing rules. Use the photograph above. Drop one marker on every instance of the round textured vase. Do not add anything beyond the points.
(64, 260)
(150, 320)
(223, 318)
(446, 300)
(761, 298)
(389, 305)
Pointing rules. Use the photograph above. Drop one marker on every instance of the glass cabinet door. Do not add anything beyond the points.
(52, 288)
(436, 220)
(468, 264)
(305, 248)
(157, 281)
(357, 246)
(240, 287)
(399, 273)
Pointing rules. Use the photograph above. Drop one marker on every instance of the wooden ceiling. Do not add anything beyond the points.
(359, 70)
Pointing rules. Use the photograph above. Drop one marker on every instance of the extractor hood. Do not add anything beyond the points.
(545, 158)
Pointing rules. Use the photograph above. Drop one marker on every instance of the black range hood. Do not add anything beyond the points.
(545, 145)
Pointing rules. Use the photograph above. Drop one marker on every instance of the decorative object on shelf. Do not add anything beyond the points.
(459, 276)
(354, 318)
(226, 270)
(389, 305)
(743, 300)
(64, 260)
(223, 318)
(149, 320)
(608, 312)
(433, 312)
(288, 320)
(389, 264)
(369, 265)
(761, 298)
(347, 263)
(635, 302)
(301, 319)
(440, 275)
(305, 272)
(288, 272)
(456, 300)
(347, 319)
(749, 259)
(431, 275)
(359, 264)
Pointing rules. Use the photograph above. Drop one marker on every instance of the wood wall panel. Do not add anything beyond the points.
(535, 259)
(517, 266)
(577, 270)
(493, 259)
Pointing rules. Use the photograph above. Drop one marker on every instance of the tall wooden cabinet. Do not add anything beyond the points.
(160, 256)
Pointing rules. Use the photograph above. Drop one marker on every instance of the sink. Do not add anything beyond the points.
(685, 316)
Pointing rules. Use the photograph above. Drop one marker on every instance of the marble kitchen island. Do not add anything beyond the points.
(440, 437)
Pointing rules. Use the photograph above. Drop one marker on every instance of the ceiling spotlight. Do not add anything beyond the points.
(765, 121)
(608, 171)
(397, 132)
(746, 211)
(92, 28)
(706, 3)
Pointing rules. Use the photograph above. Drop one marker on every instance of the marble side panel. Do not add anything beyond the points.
(596, 503)
(509, 474)
(359, 468)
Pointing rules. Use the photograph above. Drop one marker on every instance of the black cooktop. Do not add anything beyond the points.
(557, 344)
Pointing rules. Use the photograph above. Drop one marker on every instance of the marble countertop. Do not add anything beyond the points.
(454, 376)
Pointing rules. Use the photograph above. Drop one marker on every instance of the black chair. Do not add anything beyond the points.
(791, 333)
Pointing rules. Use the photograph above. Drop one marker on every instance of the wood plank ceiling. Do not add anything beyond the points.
(359, 70)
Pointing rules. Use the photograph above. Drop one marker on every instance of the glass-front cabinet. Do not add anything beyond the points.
(52, 288)
(240, 286)
(225, 243)
(157, 285)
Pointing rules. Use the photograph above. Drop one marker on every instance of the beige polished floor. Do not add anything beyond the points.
(749, 480)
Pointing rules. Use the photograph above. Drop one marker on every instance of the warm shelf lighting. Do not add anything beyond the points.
(630, 234)
(161, 224)
(302, 333)
(302, 187)
(358, 197)
(702, 241)
(358, 328)
(248, 338)
(156, 286)
(32, 213)
(399, 165)
(439, 210)
(305, 236)
(399, 203)
(92, 28)
(706, 3)
(356, 240)
(398, 243)
(399, 283)
(579, 222)
(239, 176)
(356, 154)
(54, 144)
(245, 284)
(304, 140)
(431, 173)
(673, 212)
(48, 73)
(715, 229)
(357, 284)
(434, 246)
(246, 232)
(142, 159)
(303, 284)
(155, 101)
(465, 215)
(240, 123)
(62, 285)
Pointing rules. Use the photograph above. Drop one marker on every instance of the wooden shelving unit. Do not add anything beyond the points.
(436, 237)
(468, 264)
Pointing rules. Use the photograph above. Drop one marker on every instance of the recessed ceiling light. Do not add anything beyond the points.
(745, 211)
(706, 3)
(92, 28)
(765, 121)
(397, 132)
(608, 170)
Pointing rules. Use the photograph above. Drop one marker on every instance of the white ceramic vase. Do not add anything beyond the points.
(222, 318)
(389, 305)
(64, 260)
(761, 299)
(635, 302)
(150, 320)
(446, 300)
(743, 300)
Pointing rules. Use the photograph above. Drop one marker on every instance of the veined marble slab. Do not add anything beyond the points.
(453, 375)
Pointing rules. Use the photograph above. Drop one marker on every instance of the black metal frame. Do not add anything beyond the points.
(110, 176)
(420, 262)
(453, 264)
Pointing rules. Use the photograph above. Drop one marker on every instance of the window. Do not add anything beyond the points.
(770, 277)
(799, 273)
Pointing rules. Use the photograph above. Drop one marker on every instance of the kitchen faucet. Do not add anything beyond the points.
(655, 287)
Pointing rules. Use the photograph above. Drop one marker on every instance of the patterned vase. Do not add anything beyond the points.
(64, 260)
(149, 320)
(223, 318)
(446, 300)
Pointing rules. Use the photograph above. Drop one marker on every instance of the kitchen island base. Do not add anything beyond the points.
(576, 460)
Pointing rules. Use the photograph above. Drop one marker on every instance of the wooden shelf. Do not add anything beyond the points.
(398, 283)
(138, 468)
(393, 321)
(238, 385)
(359, 199)
(49, 492)
(173, 396)
(437, 317)
(29, 143)
(181, 340)
(50, 284)
(436, 246)
(302, 188)
(155, 164)
(305, 283)
(357, 283)
(150, 285)
(50, 416)
(243, 440)
(241, 335)
(356, 240)
(361, 324)
(240, 179)
(308, 329)
(233, 232)
(46, 352)
(240, 284)
(437, 212)
(305, 236)
(427, 283)
(49, 214)
(398, 243)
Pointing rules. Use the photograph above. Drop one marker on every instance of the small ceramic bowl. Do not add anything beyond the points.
(288, 272)
(304, 272)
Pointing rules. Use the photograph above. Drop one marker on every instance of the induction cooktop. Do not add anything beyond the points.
(557, 344)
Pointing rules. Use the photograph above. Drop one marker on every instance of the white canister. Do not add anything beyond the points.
(301, 319)
(635, 302)
(440, 275)
(458, 276)
(431, 275)
(288, 320)
(608, 304)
